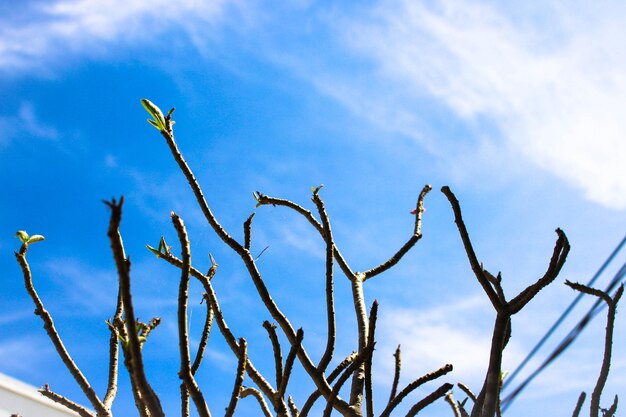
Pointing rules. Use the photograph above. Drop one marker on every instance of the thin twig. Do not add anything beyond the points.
(291, 357)
(353, 367)
(450, 400)
(417, 235)
(330, 300)
(254, 374)
(204, 338)
(429, 399)
(467, 391)
(579, 404)
(292, 407)
(133, 350)
(318, 379)
(55, 338)
(471, 255)
(278, 356)
(412, 386)
(59, 399)
(247, 232)
(265, 200)
(559, 255)
(610, 412)
(114, 349)
(185, 373)
(331, 377)
(241, 368)
(369, 394)
(608, 339)
(396, 374)
(249, 391)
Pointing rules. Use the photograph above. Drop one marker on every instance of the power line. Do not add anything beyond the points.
(572, 335)
(567, 340)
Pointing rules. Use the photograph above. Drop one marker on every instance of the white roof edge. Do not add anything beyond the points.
(28, 391)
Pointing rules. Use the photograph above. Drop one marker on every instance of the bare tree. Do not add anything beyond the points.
(354, 372)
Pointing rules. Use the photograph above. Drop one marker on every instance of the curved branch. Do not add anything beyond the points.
(54, 336)
(241, 368)
(431, 398)
(249, 391)
(413, 385)
(608, 338)
(278, 356)
(204, 338)
(185, 373)
(59, 399)
(396, 374)
(330, 298)
(417, 235)
(469, 249)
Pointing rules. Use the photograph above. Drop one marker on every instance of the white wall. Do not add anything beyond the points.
(17, 397)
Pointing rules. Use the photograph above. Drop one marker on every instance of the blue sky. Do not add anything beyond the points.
(518, 108)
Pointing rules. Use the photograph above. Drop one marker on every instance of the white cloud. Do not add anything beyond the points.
(88, 289)
(25, 122)
(553, 86)
(50, 31)
(24, 353)
(454, 333)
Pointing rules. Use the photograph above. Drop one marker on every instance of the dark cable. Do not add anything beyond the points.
(569, 338)
(558, 322)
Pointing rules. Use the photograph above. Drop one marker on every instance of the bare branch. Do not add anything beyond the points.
(369, 394)
(185, 373)
(254, 374)
(241, 368)
(292, 407)
(417, 235)
(133, 349)
(48, 325)
(59, 399)
(291, 357)
(330, 300)
(396, 375)
(450, 400)
(353, 367)
(197, 191)
(561, 249)
(467, 391)
(204, 338)
(413, 385)
(610, 412)
(248, 391)
(334, 374)
(265, 200)
(114, 349)
(608, 339)
(247, 232)
(469, 250)
(278, 356)
(579, 404)
(358, 379)
(431, 398)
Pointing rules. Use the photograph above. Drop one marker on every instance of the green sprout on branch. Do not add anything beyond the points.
(159, 120)
(27, 240)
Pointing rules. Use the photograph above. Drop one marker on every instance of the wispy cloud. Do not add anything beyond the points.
(25, 123)
(87, 289)
(51, 31)
(553, 88)
(430, 338)
(22, 354)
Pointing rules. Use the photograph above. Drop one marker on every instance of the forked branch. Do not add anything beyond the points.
(608, 341)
